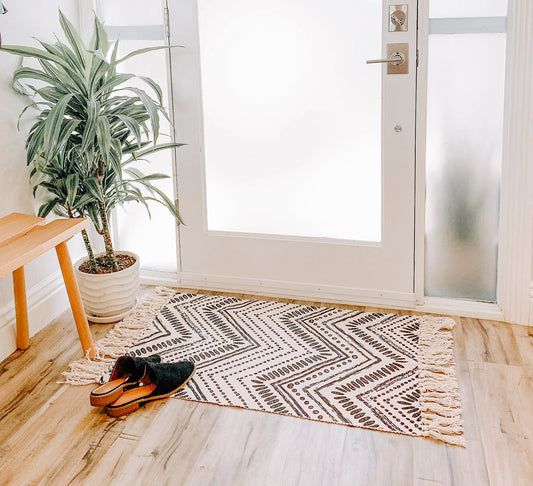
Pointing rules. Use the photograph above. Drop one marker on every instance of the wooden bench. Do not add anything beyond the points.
(24, 238)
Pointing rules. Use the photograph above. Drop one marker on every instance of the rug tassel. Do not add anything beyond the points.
(118, 340)
(440, 401)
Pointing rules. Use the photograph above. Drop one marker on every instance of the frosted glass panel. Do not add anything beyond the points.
(153, 240)
(292, 117)
(132, 12)
(464, 152)
(467, 8)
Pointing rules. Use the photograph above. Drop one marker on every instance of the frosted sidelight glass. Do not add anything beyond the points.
(464, 153)
(152, 238)
(292, 117)
(467, 8)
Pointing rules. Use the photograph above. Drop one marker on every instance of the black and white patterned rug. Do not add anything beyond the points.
(327, 364)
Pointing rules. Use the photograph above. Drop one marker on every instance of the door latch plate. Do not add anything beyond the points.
(403, 49)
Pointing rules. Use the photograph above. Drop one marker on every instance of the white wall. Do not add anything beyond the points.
(46, 296)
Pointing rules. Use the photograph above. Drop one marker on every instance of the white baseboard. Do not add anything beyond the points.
(461, 308)
(341, 295)
(152, 277)
(46, 301)
(298, 290)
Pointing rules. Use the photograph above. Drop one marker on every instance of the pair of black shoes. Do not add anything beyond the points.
(134, 381)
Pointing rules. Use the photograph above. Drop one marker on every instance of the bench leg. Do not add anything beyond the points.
(21, 309)
(75, 299)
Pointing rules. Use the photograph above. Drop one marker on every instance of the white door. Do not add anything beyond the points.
(298, 176)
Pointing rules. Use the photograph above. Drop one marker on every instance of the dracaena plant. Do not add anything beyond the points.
(91, 126)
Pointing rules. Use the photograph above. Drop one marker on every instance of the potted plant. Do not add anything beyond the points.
(90, 129)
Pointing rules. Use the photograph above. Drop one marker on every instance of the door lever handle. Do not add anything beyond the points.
(396, 59)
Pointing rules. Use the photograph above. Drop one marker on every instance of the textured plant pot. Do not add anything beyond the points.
(109, 297)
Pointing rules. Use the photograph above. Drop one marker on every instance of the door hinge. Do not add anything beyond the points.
(167, 22)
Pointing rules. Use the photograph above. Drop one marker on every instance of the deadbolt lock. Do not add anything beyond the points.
(398, 20)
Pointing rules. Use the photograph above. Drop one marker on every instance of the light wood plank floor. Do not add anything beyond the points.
(49, 434)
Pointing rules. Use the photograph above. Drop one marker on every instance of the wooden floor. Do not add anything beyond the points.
(49, 434)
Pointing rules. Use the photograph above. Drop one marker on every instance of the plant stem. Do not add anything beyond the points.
(110, 253)
(88, 247)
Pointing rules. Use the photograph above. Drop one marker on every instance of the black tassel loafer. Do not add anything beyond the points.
(126, 372)
(159, 381)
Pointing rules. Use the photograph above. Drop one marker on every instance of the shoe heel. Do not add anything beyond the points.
(103, 400)
(119, 411)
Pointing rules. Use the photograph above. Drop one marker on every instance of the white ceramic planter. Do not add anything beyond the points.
(109, 297)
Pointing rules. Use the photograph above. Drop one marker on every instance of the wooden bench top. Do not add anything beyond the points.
(23, 238)
(16, 225)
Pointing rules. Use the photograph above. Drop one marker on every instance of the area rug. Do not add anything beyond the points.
(388, 372)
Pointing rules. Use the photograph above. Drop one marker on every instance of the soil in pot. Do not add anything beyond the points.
(123, 261)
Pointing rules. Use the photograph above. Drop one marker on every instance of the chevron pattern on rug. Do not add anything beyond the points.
(327, 364)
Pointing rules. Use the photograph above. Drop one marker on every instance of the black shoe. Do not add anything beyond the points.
(126, 372)
(160, 381)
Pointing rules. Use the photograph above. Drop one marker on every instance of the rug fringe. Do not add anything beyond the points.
(118, 340)
(440, 401)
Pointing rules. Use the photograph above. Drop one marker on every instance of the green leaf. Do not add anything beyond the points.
(112, 83)
(29, 73)
(26, 108)
(132, 126)
(98, 71)
(157, 89)
(64, 136)
(54, 123)
(151, 108)
(114, 55)
(84, 200)
(72, 182)
(99, 55)
(102, 41)
(89, 131)
(68, 81)
(164, 200)
(75, 64)
(34, 53)
(51, 95)
(93, 188)
(103, 135)
(153, 149)
(48, 207)
(74, 39)
(34, 141)
(116, 156)
(139, 176)
(141, 51)
(94, 216)
(137, 195)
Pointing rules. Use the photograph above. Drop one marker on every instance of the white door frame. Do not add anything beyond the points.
(514, 286)
(420, 150)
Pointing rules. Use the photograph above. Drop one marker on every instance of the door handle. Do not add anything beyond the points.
(396, 59)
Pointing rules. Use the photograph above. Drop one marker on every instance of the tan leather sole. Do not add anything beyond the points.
(131, 399)
(108, 393)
